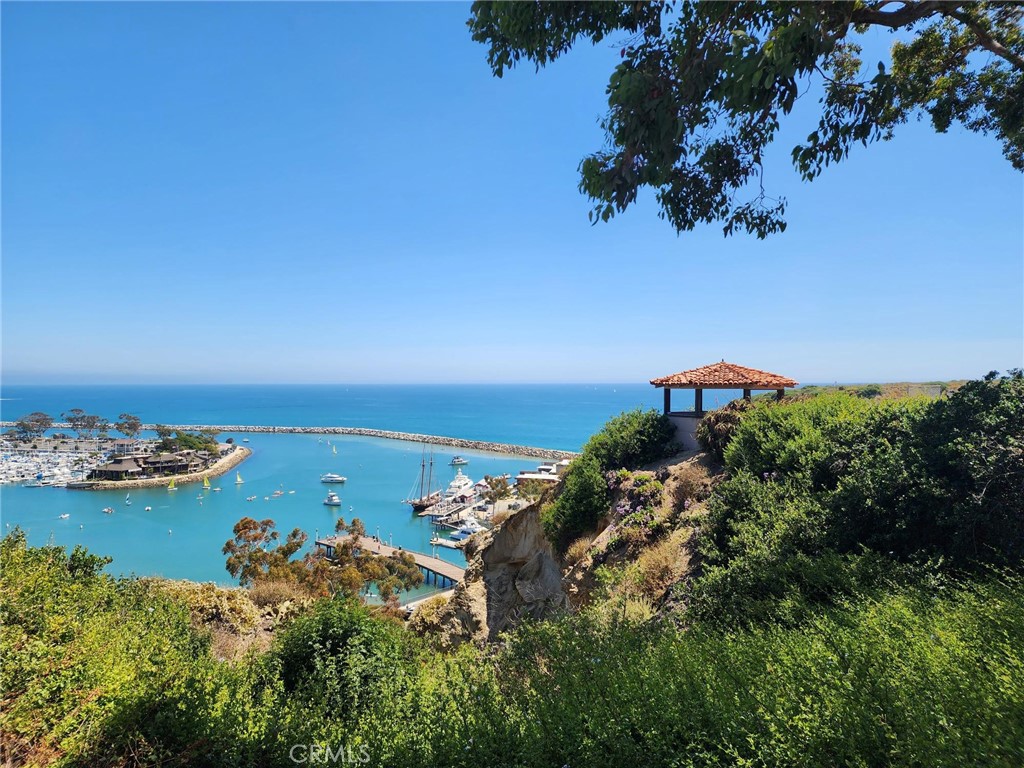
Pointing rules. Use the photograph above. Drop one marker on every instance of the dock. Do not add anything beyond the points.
(442, 572)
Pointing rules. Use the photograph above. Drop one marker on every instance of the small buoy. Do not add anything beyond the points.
(169, 531)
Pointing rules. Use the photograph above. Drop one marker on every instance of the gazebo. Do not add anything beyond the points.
(721, 375)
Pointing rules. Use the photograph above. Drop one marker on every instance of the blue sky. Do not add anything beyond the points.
(342, 192)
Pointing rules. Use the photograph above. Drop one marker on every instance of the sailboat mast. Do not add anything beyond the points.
(430, 477)
(423, 469)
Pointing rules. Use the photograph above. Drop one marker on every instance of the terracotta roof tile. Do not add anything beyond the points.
(725, 374)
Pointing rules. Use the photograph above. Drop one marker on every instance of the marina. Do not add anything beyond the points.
(378, 473)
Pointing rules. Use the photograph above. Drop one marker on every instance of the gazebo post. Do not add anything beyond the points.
(698, 400)
(746, 394)
(779, 394)
(668, 399)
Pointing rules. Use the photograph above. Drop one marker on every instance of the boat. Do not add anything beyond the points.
(469, 526)
(427, 496)
(245, 439)
(108, 510)
(171, 486)
(460, 486)
(238, 478)
(332, 500)
(250, 498)
(215, 490)
(206, 483)
(334, 450)
(332, 477)
(128, 500)
(458, 461)
(277, 494)
(149, 509)
(65, 516)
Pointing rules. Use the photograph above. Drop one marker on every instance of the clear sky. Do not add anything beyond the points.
(341, 192)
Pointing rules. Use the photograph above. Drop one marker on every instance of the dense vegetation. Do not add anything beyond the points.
(629, 440)
(860, 604)
(828, 495)
(98, 671)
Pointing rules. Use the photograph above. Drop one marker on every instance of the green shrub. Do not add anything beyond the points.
(715, 430)
(632, 439)
(580, 504)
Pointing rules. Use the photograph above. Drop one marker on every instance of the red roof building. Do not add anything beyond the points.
(721, 375)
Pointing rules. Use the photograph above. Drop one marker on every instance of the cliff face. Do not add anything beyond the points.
(512, 575)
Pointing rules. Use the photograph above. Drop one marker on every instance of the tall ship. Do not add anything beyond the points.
(423, 494)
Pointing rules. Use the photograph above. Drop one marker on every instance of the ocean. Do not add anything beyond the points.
(183, 535)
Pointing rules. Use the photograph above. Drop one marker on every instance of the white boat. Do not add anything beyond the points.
(458, 461)
(238, 478)
(128, 500)
(460, 486)
(108, 510)
(65, 516)
(245, 439)
(469, 526)
(332, 500)
(149, 509)
(332, 477)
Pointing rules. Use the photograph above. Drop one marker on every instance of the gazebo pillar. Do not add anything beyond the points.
(668, 399)
(779, 394)
(746, 395)
(698, 401)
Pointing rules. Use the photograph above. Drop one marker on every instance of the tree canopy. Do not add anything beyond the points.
(701, 87)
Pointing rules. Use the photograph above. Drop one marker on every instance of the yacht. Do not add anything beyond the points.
(469, 526)
(458, 461)
(460, 486)
(332, 477)
(332, 500)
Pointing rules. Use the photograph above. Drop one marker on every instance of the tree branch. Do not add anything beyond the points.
(985, 39)
(908, 14)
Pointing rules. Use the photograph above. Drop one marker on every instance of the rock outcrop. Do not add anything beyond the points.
(512, 575)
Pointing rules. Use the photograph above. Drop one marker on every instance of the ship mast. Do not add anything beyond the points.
(430, 477)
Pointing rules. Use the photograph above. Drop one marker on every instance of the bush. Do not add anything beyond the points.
(340, 635)
(576, 551)
(829, 495)
(715, 430)
(581, 503)
(632, 439)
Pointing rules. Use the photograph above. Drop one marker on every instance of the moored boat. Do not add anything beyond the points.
(332, 477)
(458, 461)
(332, 500)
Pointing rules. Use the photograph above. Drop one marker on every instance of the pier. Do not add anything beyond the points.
(443, 573)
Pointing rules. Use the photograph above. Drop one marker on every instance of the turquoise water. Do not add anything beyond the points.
(183, 535)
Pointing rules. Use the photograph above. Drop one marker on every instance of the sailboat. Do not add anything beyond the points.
(128, 499)
(334, 450)
(206, 483)
(427, 496)
(171, 486)
(238, 478)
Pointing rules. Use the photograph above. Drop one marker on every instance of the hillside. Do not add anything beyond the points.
(835, 581)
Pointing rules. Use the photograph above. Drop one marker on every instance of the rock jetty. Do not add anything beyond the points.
(449, 442)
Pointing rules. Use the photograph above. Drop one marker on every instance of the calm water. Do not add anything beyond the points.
(183, 534)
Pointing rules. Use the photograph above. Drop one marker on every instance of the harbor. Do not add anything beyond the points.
(183, 533)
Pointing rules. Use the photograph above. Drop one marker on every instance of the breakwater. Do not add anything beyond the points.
(448, 442)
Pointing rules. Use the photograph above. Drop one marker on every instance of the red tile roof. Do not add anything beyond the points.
(725, 375)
